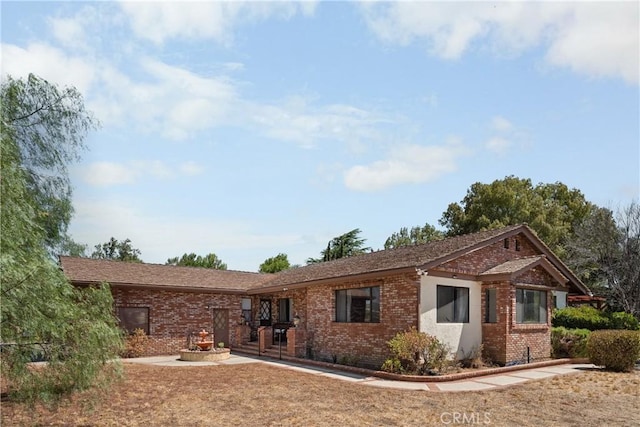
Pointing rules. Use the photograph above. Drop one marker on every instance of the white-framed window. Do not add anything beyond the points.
(453, 304)
(360, 305)
(531, 306)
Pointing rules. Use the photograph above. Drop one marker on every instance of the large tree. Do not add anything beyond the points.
(605, 253)
(192, 260)
(275, 264)
(345, 245)
(117, 250)
(551, 210)
(415, 236)
(48, 125)
(41, 313)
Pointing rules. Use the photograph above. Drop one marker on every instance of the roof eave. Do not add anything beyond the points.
(200, 289)
(358, 276)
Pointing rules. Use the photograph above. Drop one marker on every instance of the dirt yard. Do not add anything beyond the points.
(260, 395)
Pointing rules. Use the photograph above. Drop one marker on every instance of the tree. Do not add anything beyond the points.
(41, 313)
(605, 253)
(551, 210)
(415, 236)
(48, 126)
(346, 245)
(117, 251)
(192, 260)
(275, 264)
(70, 247)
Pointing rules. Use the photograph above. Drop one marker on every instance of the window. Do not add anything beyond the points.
(490, 306)
(132, 318)
(531, 306)
(517, 245)
(506, 243)
(246, 309)
(285, 311)
(453, 304)
(360, 305)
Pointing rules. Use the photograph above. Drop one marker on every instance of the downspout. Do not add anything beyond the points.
(419, 301)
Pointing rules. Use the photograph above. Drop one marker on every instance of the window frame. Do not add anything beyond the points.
(441, 304)
(491, 305)
(124, 320)
(346, 312)
(531, 310)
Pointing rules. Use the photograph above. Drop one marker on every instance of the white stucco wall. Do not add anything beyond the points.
(461, 337)
(561, 298)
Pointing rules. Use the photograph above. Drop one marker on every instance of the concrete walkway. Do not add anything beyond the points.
(487, 382)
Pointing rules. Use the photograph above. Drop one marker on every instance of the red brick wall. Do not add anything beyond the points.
(173, 314)
(365, 341)
(507, 341)
(490, 256)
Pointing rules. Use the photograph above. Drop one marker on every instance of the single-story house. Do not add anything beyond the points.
(493, 288)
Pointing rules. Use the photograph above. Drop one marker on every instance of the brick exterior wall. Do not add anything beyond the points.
(172, 315)
(364, 342)
(506, 341)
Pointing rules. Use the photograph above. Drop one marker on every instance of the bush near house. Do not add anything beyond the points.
(416, 353)
(135, 344)
(569, 342)
(615, 350)
(590, 318)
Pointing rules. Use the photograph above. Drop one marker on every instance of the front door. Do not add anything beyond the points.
(221, 327)
(265, 312)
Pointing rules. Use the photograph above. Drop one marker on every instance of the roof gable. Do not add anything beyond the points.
(517, 267)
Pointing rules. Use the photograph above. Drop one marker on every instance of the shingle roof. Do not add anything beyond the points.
(424, 256)
(513, 266)
(87, 270)
(403, 257)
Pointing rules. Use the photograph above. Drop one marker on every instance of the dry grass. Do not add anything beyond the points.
(256, 394)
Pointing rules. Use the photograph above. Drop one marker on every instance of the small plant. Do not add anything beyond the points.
(418, 352)
(615, 350)
(136, 344)
(473, 359)
(569, 342)
(393, 365)
(221, 344)
(349, 360)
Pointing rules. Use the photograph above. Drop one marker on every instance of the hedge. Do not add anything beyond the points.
(615, 350)
(590, 318)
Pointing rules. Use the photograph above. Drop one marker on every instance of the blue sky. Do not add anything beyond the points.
(250, 129)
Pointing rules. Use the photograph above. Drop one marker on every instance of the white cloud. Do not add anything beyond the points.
(498, 145)
(106, 174)
(500, 124)
(191, 168)
(159, 21)
(408, 164)
(599, 39)
(49, 63)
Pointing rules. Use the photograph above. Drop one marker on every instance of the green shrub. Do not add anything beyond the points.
(622, 320)
(569, 342)
(583, 317)
(616, 350)
(394, 365)
(586, 317)
(417, 352)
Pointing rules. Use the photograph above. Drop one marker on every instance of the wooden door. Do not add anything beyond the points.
(221, 327)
